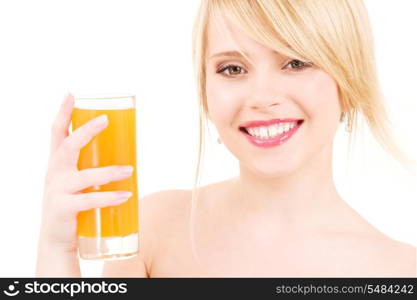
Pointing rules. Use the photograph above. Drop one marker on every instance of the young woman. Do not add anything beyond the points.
(276, 78)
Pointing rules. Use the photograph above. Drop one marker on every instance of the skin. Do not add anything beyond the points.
(281, 217)
(62, 200)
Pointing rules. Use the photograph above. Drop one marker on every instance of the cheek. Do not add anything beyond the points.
(222, 101)
(320, 100)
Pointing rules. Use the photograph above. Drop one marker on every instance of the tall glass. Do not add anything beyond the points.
(111, 232)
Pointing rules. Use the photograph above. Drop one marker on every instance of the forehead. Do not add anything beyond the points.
(223, 35)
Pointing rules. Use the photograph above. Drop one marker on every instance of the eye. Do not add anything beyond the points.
(298, 65)
(233, 70)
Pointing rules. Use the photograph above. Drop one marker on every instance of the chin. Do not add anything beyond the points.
(270, 170)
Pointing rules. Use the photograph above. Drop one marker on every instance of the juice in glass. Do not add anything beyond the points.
(110, 232)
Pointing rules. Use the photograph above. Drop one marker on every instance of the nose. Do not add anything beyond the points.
(267, 92)
(265, 102)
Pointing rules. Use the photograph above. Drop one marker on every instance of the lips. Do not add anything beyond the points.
(276, 140)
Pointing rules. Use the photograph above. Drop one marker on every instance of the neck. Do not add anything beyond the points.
(300, 197)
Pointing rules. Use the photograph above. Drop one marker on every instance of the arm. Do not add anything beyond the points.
(56, 262)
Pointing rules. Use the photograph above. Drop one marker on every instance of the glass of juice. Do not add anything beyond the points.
(111, 232)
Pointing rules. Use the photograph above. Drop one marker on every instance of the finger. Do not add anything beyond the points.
(70, 147)
(61, 123)
(86, 201)
(97, 176)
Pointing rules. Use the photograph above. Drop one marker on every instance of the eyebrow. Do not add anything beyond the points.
(228, 53)
(234, 53)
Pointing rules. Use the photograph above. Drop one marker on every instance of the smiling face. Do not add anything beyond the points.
(271, 87)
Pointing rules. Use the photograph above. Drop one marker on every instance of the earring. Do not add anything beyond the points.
(348, 126)
(342, 117)
(219, 141)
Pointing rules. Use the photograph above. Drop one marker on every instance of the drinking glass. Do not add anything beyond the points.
(111, 232)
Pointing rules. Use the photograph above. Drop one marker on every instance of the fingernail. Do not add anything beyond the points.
(126, 170)
(123, 194)
(67, 95)
(100, 120)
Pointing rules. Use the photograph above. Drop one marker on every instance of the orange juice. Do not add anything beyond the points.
(115, 145)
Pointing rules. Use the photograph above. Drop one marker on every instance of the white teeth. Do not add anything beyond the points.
(257, 132)
(251, 131)
(281, 128)
(271, 131)
(263, 132)
(287, 127)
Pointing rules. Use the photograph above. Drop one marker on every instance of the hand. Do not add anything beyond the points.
(63, 198)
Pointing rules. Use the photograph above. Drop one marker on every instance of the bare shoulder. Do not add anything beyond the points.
(172, 198)
(404, 254)
(377, 252)
(173, 204)
(156, 211)
(164, 206)
(399, 257)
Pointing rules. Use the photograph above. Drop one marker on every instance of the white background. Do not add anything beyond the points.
(144, 48)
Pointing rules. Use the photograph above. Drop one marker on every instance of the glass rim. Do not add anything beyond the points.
(103, 96)
(102, 101)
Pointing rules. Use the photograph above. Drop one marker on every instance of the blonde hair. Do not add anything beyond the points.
(335, 35)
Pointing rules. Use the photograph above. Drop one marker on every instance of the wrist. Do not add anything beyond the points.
(57, 262)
